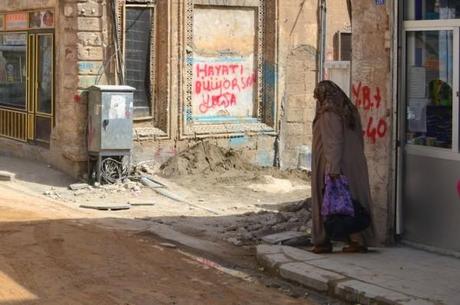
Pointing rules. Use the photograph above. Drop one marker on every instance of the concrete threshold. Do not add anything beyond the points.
(390, 276)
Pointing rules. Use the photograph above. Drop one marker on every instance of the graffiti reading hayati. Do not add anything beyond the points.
(364, 98)
(223, 85)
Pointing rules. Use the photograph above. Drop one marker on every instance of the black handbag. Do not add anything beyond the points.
(339, 227)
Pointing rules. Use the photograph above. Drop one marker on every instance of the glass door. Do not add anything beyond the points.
(430, 135)
(41, 87)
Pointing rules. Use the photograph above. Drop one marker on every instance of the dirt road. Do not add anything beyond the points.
(49, 256)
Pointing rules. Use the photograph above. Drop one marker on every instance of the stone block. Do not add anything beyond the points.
(86, 81)
(292, 142)
(90, 53)
(89, 24)
(265, 158)
(90, 67)
(90, 38)
(294, 114)
(309, 276)
(242, 142)
(89, 9)
(266, 143)
(357, 291)
(294, 129)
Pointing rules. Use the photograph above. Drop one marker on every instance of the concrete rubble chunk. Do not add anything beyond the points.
(7, 176)
(279, 238)
(357, 291)
(309, 276)
(79, 186)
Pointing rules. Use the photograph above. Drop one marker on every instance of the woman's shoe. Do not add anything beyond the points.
(320, 249)
(354, 247)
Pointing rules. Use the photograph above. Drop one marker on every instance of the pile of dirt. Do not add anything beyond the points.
(203, 158)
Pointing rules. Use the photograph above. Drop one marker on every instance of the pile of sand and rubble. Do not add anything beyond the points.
(205, 158)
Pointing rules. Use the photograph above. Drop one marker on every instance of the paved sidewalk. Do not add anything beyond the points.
(389, 276)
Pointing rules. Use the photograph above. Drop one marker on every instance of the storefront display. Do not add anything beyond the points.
(429, 155)
(429, 88)
(26, 74)
(13, 48)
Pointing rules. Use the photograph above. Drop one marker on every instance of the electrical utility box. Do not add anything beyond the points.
(110, 118)
(110, 133)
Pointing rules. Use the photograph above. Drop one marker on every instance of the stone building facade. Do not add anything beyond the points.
(246, 84)
(240, 73)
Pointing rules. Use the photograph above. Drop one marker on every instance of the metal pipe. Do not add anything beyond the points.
(322, 38)
(397, 113)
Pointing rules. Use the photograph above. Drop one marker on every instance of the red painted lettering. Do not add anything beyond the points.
(370, 100)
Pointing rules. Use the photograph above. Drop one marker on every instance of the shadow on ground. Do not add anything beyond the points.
(34, 172)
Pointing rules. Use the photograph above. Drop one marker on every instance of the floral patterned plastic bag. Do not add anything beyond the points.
(337, 198)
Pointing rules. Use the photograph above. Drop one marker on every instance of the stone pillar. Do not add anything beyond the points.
(372, 93)
(81, 49)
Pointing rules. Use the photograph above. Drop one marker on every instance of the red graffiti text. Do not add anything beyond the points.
(370, 101)
(219, 85)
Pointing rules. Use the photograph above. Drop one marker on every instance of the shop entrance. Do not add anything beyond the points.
(26, 75)
(40, 88)
(26, 86)
(429, 106)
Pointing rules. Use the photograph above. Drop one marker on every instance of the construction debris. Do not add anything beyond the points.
(147, 181)
(79, 186)
(105, 207)
(7, 176)
(204, 158)
(252, 228)
(141, 203)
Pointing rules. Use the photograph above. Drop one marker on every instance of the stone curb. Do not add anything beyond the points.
(7, 176)
(298, 266)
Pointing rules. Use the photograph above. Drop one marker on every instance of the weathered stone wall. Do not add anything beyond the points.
(84, 56)
(80, 29)
(298, 53)
(372, 93)
(337, 20)
(258, 149)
